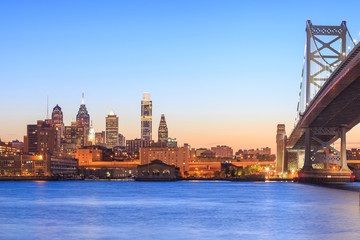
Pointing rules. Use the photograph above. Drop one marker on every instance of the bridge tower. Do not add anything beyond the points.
(325, 49)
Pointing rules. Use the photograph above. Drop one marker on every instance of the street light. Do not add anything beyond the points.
(267, 172)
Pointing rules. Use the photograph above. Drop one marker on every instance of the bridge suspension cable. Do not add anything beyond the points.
(300, 103)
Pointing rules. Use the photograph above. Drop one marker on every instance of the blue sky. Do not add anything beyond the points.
(223, 72)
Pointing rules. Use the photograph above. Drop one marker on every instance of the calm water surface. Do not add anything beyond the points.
(177, 210)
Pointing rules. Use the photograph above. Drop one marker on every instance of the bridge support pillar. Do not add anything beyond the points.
(343, 159)
(307, 160)
(320, 156)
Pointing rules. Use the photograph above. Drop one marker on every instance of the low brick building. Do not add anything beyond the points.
(156, 170)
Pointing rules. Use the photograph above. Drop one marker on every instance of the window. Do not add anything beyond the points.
(156, 172)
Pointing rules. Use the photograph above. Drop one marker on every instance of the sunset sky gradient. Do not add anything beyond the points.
(222, 72)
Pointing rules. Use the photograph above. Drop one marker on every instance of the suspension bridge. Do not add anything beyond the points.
(328, 107)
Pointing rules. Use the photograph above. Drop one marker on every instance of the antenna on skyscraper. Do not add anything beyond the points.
(47, 106)
(83, 101)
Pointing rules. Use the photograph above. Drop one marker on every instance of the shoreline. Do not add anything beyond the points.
(56, 178)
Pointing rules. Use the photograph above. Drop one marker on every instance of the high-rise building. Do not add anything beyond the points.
(42, 138)
(100, 138)
(75, 134)
(163, 131)
(146, 117)
(280, 148)
(74, 138)
(47, 138)
(112, 130)
(57, 119)
(32, 141)
(91, 138)
(84, 117)
(133, 146)
(122, 142)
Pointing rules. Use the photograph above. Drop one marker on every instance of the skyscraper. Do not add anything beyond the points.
(42, 138)
(74, 138)
(112, 130)
(163, 131)
(47, 138)
(280, 151)
(32, 140)
(57, 119)
(122, 141)
(84, 117)
(146, 117)
(91, 138)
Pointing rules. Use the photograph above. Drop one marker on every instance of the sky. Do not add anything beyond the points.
(223, 72)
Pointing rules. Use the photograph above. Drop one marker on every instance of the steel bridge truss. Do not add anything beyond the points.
(322, 55)
(318, 149)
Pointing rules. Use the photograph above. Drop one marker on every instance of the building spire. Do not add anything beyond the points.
(47, 106)
(83, 101)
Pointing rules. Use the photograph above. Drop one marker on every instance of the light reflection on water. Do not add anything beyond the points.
(178, 210)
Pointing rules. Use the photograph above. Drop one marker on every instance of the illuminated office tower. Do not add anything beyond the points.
(163, 130)
(146, 117)
(91, 138)
(84, 117)
(112, 130)
(57, 119)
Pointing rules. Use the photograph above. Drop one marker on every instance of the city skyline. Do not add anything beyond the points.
(190, 56)
(83, 110)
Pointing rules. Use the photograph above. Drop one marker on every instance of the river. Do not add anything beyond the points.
(178, 210)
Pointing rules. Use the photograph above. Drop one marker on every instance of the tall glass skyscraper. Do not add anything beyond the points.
(163, 130)
(112, 130)
(146, 117)
(84, 117)
(57, 119)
